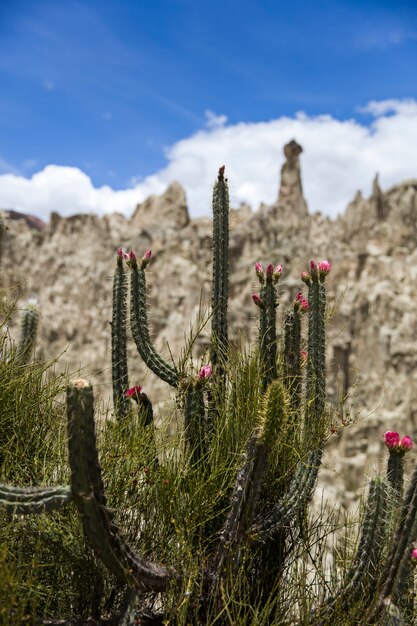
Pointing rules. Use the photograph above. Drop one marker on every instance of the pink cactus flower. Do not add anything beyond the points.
(313, 266)
(205, 373)
(130, 258)
(132, 255)
(392, 439)
(257, 300)
(304, 305)
(325, 267)
(299, 297)
(406, 443)
(413, 556)
(120, 253)
(306, 278)
(134, 393)
(147, 255)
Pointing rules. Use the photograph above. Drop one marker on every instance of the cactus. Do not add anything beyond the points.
(220, 284)
(28, 331)
(120, 376)
(260, 503)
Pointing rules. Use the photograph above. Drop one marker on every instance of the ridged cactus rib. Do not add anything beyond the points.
(194, 417)
(220, 281)
(119, 341)
(268, 331)
(32, 500)
(292, 357)
(28, 332)
(293, 502)
(140, 329)
(98, 523)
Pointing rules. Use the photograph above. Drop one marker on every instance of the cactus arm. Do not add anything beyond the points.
(395, 472)
(25, 501)
(140, 329)
(220, 281)
(99, 526)
(28, 332)
(118, 340)
(293, 502)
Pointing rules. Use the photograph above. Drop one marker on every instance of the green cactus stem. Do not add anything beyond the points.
(292, 357)
(362, 577)
(395, 472)
(299, 493)
(140, 329)
(31, 500)
(316, 360)
(220, 281)
(28, 332)
(267, 301)
(87, 488)
(120, 376)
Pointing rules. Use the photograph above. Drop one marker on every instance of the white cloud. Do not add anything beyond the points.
(339, 157)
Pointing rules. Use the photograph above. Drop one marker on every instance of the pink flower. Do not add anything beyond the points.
(299, 296)
(304, 305)
(406, 443)
(120, 253)
(205, 373)
(257, 300)
(130, 258)
(134, 393)
(313, 266)
(306, 278)
(392, 439)
(325, 267)
(300, 303)
(260, 273)
(413, 555)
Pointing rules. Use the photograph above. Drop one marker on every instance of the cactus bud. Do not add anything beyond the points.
(120, 253)
(277, 273)
(145, 259)
(413, 556)
(306, 278)
(269, 272)
(131, 259)
(260, 273)
(406, 443)
(205, 373)
(257, 300)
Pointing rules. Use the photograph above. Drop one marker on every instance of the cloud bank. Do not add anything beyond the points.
(339, 158)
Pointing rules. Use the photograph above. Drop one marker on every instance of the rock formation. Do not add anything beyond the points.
(68, 265)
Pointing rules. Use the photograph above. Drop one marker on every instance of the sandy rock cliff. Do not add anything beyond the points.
(68, 265)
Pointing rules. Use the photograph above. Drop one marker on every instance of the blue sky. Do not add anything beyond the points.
(107, 87)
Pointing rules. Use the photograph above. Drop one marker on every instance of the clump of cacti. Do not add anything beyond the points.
(227, 544)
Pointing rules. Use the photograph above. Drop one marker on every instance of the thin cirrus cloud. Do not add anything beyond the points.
(339, 158)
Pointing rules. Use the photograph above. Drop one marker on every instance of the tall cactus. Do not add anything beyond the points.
(220, 283)
(120, 375)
